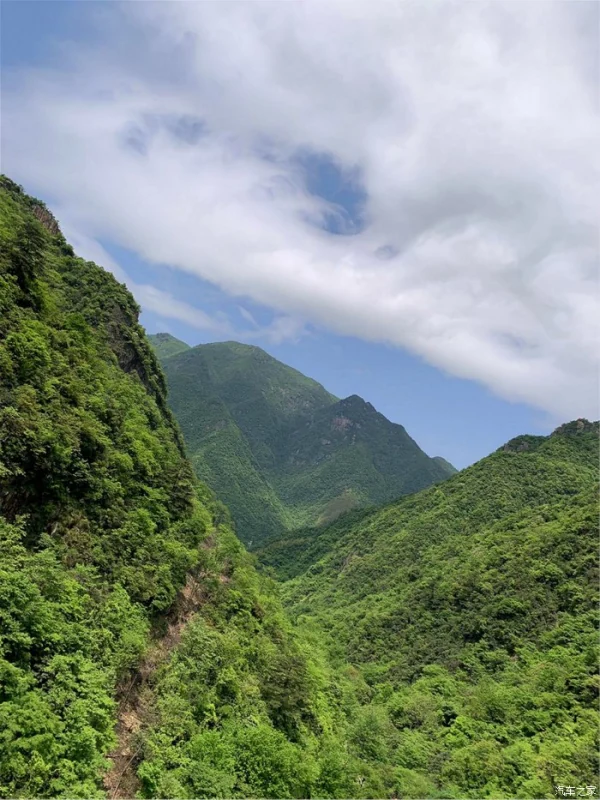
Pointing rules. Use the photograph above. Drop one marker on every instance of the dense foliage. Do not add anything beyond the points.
(109, 549)
(278, 449)
(99, 520)
(443, 646)
(471, 611)
(246, 707)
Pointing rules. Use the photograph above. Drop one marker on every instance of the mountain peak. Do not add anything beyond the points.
(165, 344)
(576, 427)
(355, 401)
(528, 441)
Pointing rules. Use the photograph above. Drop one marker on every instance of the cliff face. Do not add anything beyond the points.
(69, 336)
(46, 218)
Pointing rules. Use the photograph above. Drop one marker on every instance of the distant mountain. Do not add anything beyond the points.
(280, 450)
(166, 345)
(451, 470)
(527, 471)
(348, 454)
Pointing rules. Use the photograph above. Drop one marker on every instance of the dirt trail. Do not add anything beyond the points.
(135, 706)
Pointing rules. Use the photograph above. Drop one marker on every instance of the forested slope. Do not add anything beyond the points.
(226, 403)
(442, 646)
(471, 610)
(99, 516)
(280, 450)
(139, 649)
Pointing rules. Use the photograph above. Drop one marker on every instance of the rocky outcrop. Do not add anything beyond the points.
(522, 443)
(47, 219)
(577, 427)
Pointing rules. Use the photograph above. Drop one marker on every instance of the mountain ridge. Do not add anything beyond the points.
(313, 454)
(471, 610)
(315, 542)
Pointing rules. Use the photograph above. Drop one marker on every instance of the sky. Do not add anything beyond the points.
(399, 199)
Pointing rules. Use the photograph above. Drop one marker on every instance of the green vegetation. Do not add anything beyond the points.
(278, 449)
(471, 611)
(166, 345)
(99, 519)
(451, 470)
(108, 549)
(442, 646)
(247, 707)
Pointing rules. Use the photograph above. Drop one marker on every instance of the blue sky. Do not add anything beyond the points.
(244, 198)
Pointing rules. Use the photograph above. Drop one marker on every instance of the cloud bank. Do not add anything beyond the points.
(466, 132)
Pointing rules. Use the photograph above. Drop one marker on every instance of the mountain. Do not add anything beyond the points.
(450, 469)
(471, 610)
(444, 645)
(349, 450)
(279, 449)
(166, 345)
(140, 650)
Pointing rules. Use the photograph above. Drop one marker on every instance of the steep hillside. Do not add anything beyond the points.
(281, 451)
(216, 405)
(140, 651)
(348, 448)
(260, 393)
(546, 468)
(443, 646)
(471, 610)
(99, 518)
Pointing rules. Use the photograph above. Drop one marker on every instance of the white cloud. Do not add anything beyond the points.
(281, 328)
(473, 127)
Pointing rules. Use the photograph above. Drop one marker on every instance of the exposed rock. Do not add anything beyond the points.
(47, 219)
(341, 423)
(576, 427)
